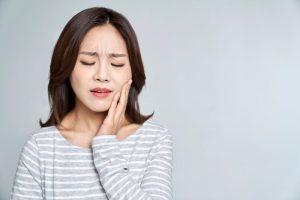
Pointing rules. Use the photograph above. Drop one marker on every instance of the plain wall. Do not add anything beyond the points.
(223, 76)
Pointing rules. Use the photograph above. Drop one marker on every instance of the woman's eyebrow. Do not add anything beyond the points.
(111, 55)
(89, 53)
(116, 55)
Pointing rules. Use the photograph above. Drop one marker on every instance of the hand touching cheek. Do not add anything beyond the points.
(116, 113)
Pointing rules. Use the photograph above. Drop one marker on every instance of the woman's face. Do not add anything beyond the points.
(102, 62)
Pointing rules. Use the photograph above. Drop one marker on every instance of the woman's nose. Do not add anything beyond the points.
(102, 72)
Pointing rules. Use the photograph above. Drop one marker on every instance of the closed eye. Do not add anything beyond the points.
(86, 63)
(115, 65)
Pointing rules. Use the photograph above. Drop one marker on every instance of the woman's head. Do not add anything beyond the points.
(97, 48)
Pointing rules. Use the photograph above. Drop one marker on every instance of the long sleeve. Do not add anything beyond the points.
(118, 182)
(158, 178)
(27, 182)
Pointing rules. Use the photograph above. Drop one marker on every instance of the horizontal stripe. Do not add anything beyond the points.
(138, 167)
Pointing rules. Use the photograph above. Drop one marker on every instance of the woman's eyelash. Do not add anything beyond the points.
(115, 65)
(86, 63)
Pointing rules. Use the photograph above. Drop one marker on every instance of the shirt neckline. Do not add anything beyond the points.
(57, 131)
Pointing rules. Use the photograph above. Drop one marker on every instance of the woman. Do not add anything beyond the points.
(96, 144)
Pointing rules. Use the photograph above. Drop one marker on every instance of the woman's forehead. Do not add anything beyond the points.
(103, 39)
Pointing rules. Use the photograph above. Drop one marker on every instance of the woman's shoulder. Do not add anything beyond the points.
(37, 137)
(43, 132)
(151, 125)
(40, 134)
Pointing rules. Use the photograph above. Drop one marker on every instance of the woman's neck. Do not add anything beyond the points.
(87, 121)
(83, 120)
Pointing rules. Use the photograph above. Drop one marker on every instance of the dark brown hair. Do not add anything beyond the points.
(60, 93)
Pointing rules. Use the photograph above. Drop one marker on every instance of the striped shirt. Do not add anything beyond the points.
(138, 167)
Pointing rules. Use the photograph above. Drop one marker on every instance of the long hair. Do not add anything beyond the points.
(60, 93)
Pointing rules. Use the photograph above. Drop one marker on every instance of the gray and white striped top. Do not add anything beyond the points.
(138, 167)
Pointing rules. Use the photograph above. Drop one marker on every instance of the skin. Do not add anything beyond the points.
(102, 62)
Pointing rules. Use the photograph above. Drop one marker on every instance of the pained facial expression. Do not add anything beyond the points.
(102, 62)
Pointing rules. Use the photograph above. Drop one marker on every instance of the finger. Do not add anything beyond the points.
(113, 106)
(120, 104)
(123, 100)
(127, 93)
(126, 98)
(120, 115)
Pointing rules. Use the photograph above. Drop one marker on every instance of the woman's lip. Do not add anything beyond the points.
(104, 94)
(101, 89)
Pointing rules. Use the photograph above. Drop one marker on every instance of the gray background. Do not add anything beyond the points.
(222, 75)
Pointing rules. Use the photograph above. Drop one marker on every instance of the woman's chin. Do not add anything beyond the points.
(100, 108)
